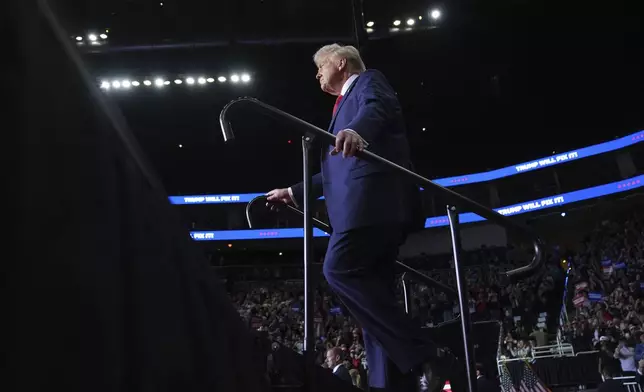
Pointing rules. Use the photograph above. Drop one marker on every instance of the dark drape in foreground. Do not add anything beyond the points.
(106, 291)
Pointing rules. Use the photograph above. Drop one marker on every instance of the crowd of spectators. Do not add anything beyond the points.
(604, 284)
(494, 297)
(276, 306)
(606, 310)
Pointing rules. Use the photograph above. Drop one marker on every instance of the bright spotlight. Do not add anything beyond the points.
(201, 80)
(420, 17)
(190, 81)
(116, 84)
(147, 82)
(370, 24)
(410, 22)
(158, 82)
(136, 83)
(210, 80)
(105, 85)
(221, 79)
(92, 37)
(79, 38)
(234, 78)
(563, 214)
(166, 83)
(245, 78)
(369, 30)
(126, 84)
(435, 14)
(396, 22)
(178, 81)
(103, 36)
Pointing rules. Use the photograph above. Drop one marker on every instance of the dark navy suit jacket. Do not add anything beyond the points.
(343, 374)
(360, 193)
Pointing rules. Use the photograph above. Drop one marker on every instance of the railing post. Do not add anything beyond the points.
(309, 288)
(463, 296)
(406, 292)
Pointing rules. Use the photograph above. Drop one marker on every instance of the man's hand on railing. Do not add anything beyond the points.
(348, 142)
(282, 195)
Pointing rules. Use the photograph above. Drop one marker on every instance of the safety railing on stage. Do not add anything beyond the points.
(553, 350)
(549, 351)
(563, 314)
(630, 382)
(538, 352)
(587, 374)
(312, 133)
(586, 352)
(499, 350)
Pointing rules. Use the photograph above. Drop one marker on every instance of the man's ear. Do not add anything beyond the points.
(342, 64)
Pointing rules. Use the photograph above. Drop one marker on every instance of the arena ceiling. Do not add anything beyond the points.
(484, 85)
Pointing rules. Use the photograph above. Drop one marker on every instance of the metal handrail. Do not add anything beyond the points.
(586, 352)
(462, 201)
(449, 291)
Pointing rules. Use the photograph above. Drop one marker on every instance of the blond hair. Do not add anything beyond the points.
(355, 377)
(349, 53)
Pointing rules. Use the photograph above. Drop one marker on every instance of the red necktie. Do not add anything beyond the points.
(337, 103)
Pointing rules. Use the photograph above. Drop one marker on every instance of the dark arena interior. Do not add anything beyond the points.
(484, 232)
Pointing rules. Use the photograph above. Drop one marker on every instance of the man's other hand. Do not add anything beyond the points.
(348, 142)
(278, 196)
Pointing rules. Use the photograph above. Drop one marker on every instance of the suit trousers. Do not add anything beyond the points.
(360, 267)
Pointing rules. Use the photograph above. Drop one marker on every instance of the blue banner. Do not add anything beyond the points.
(595, 297)
(548, 202)
(458, 180)
(264, 234)
(468, 217)
(214, 199)
(544, 162)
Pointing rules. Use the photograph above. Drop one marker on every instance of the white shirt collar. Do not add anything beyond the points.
(348, 83)
(335, 369)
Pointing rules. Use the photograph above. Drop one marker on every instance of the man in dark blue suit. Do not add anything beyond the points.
(334, 360)
(369, 209)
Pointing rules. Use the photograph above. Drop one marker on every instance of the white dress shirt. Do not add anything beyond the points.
(335, 369)
(347, 85)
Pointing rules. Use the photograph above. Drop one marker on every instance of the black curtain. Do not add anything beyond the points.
(106, 291)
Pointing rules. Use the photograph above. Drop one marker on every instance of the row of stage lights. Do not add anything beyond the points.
(161, 82)
(92, 38)
(98, 39)
(435, 15)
